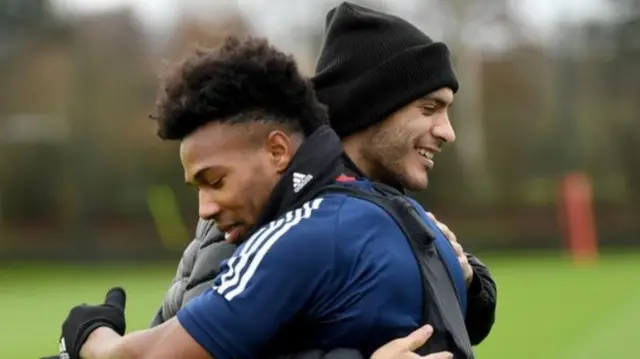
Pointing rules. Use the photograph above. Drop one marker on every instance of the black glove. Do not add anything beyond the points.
(84, 319)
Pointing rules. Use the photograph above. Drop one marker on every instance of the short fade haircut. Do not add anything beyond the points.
(243, 80)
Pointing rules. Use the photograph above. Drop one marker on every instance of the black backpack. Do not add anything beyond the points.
(444, 306)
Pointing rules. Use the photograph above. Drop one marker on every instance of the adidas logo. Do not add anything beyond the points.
(300, 180)
(63, 350)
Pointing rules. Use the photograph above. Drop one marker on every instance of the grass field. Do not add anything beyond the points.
(548, 308)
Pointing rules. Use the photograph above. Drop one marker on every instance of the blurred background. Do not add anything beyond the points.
(543, 182)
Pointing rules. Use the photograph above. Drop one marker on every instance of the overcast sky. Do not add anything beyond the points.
(541, 12)
(276, 18)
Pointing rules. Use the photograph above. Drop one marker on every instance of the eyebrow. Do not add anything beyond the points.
(197, 177)
(437, 100)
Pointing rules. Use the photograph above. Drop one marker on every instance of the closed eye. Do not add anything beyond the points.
(429, 110)
(216, 184)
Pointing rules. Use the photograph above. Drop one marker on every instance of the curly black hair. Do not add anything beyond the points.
(244, 79)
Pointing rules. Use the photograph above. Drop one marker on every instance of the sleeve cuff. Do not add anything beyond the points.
(192, 326)
(475, 288)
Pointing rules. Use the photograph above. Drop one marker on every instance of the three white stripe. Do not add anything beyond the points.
(243, 265)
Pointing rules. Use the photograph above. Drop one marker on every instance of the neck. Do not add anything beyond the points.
(352, 146)
(318, 157)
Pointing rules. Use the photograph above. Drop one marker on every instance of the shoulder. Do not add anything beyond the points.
(315, 217)
(364, 218)
(327, 214)
(292, 238)
(311, 228)
(317, 228)
(361, 226)
(367, 233)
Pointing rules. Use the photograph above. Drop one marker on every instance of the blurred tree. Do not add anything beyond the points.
(23, 20)
(628, 9)
(473, 31)
(598, 81)
(623, 82)
(26, 28)
(23, 15)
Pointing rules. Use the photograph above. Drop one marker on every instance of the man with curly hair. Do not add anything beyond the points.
(327, 270)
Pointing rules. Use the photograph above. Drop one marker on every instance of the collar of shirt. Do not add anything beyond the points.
(317, 162)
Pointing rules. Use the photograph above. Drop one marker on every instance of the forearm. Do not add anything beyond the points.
(169, 340)
(481, 302)
(104, 343)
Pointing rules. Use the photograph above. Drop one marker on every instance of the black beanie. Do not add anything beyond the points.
(372, 64)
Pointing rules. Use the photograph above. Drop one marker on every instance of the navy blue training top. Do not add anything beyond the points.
(339, 263)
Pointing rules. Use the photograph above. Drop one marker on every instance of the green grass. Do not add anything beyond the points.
(548, 308)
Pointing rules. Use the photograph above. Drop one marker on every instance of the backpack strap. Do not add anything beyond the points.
(447, 254)
(420, 231)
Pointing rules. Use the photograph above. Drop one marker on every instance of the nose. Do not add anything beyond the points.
(444, 131)
(208, 208)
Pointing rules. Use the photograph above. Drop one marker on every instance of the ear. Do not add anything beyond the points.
(281, 150)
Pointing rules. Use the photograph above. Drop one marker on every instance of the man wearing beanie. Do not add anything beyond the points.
(388, 88)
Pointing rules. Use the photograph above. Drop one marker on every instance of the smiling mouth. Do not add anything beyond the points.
(425, 152)
(227, 228)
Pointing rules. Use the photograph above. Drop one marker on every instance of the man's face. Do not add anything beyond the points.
(401, 149)
(235, 168)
